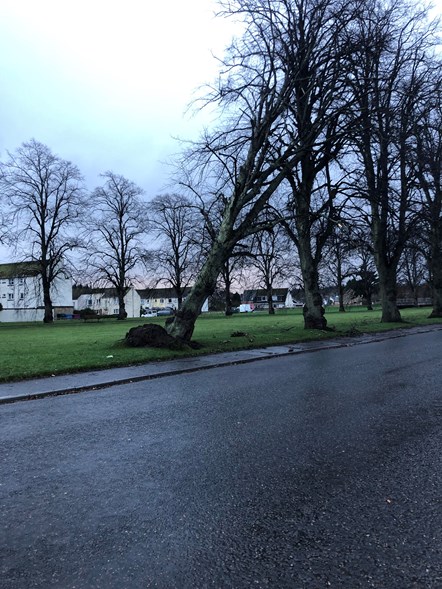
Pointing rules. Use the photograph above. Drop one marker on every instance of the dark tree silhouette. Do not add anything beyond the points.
(43, 199)
(116, 226)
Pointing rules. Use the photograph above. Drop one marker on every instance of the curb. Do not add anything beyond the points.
(279, 351)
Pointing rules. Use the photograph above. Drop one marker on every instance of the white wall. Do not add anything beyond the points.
(108, 305)
(22, 297)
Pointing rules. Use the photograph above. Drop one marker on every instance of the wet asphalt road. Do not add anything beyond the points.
(311, 471)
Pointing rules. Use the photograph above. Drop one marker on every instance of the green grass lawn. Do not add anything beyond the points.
(34, 349)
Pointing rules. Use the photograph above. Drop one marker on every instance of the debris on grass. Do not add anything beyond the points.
(239, 334)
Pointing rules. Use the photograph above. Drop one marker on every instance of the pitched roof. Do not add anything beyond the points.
(77, 291)
(161, 293)
(19, 269)
(261, 292)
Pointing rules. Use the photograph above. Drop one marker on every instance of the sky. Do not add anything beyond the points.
(106, 84)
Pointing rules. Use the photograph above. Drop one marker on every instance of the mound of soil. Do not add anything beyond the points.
(151, 335)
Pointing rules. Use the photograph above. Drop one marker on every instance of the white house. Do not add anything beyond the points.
(159, 298)
(281, 297)
(105, 300)
(21, 293)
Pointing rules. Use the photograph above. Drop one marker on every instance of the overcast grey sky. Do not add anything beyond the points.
(106, 83)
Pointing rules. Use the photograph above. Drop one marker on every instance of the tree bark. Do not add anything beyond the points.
(183, 323)
(340, 286)
(270, 299)
(388, 294)
(313, 309)
(121, 306)
(47, 301)
(227, 282)
(436, 273)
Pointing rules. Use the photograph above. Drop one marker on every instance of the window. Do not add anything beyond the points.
(170, 300)
(10, 296)
(161, 300)
(22, 296)
(115, 311)
(89, 302)
(21, 280)
(3, 295)
(11, 282)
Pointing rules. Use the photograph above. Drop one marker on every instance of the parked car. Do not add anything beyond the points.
(166, 311)
(247, 308)
(149, 313)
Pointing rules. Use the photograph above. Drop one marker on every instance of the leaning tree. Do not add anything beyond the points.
(246, 160)
(43, 199)
(239, 162)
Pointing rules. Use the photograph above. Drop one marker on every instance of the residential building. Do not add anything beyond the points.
(21, 293)
(159, 298)
(281, 297)
(104, 301)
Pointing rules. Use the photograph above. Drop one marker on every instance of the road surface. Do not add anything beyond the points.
(303, 472)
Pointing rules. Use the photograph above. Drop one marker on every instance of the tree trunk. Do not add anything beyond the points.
(340, 286)
(388, 294)
(313, 309)
(229, 310)
(121, 306)
(270, 299)
(436, 273)
(369, 302)
(47, 301)
(437, 298)
(183, 323)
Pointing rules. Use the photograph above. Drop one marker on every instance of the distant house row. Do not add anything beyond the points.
(281, 298)
(21, 296)
(104, 301)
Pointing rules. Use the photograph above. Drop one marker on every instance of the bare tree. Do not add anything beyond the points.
(174, 223)
(429, 171)
(270, 257)
(339, 254)
(389, 79)
(238, 160)
(116, 227)
(245, 161)
(365, 281)
(413, 269)
(316, 50)
(43, 197)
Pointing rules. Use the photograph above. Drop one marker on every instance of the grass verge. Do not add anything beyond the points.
(30, 350)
